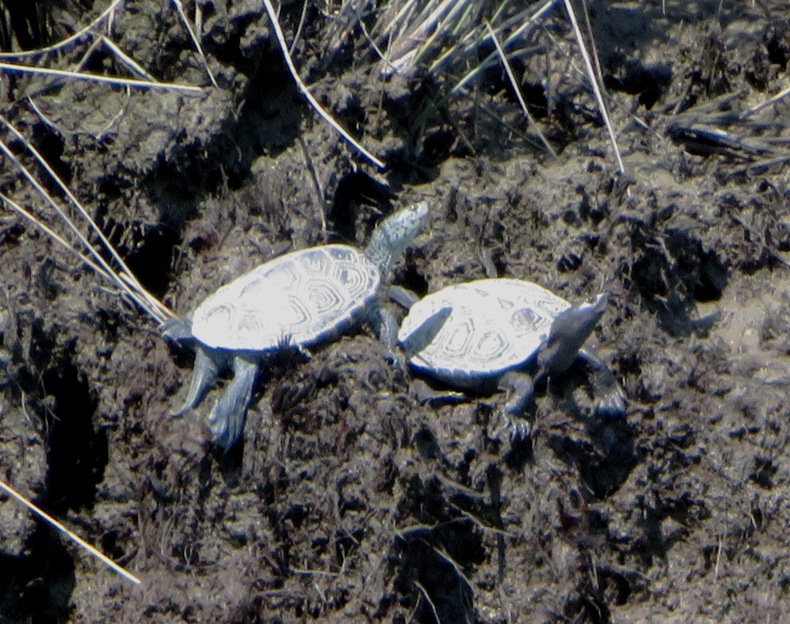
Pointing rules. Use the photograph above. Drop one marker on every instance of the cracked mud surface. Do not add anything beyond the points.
(349, 500)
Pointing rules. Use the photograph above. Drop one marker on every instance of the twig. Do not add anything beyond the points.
(299, 28)
(430, 602)
(125, 82)
(195, 40)
(455, 565)
(303, 88)
(320, 202)
(133, 65)
(764, 164)
(68, 40)
(491, 58)
(594, 81)
(496, 117)
(55, 236)
(42, 514)
(762, 105)
(718, 558)
(517, 89)
(147, 302)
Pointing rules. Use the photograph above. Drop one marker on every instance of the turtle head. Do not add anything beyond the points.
(568, 333)
(394, 234)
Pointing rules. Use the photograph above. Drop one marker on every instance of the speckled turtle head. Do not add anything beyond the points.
(394, 234)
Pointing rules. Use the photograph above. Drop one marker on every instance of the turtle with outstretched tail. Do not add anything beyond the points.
(300, 299)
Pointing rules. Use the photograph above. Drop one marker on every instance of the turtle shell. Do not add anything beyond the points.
(495, 325)
(302, 297)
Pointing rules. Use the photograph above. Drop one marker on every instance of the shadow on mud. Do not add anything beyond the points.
(605, 460)
(37, 586)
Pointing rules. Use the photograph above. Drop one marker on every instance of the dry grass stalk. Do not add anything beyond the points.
(124, 82)
(72, 536)
(306, 92)
(195, 39)
(90, 31)
(530, 19)
(516, 88)
(594, 82)
(123, 277)
(65, 43)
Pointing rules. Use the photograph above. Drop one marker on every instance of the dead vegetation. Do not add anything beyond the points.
(350, 501)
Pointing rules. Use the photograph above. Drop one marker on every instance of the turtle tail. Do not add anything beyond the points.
(204, 373)
(176, 329)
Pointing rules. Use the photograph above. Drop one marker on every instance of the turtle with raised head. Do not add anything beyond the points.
(506, 333)
(299, 299)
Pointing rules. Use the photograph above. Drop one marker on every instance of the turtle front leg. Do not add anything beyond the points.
(387, 330)
(386, 326)
(204, 373)
(227, 418)
(609, 395)
(404, 297)
(521, 392)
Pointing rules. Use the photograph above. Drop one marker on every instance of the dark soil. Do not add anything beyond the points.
(348, 500)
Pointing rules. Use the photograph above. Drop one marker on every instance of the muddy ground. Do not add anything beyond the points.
(349, 500)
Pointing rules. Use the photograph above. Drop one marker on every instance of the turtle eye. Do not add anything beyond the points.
(418, 209)
(596, 301)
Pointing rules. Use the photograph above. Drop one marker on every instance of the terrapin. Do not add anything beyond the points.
(499, 331)
(301, 299)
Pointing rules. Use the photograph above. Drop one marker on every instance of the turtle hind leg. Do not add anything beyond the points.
(204, 373)
(227, 417)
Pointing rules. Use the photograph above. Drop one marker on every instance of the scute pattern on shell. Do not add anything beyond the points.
(303, 296)
(495, 325)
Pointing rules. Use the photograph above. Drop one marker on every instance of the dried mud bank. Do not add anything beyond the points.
(349, 500)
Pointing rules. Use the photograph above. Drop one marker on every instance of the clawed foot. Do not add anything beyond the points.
(611, 404)
(395, 358)
(611, 396)
(520, 431)
(515, 428)
(520, 396)
(225, 432)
